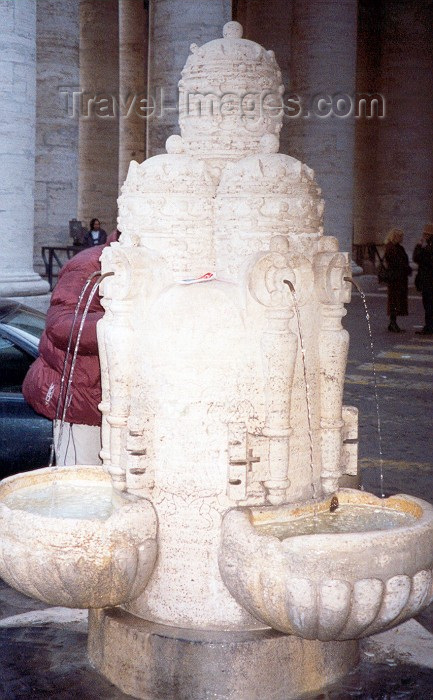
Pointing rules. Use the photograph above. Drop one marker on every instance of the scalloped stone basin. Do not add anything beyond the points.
(67, 538)
(336, 585)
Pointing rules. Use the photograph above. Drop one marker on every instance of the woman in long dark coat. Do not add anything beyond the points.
(397, 262)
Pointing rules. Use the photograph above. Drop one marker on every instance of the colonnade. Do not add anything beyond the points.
(322, 40)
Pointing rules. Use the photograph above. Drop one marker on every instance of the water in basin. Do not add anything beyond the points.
(347, 518)
(83, 500)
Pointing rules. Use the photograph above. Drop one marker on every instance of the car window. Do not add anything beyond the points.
(14, 364)
(32, 322)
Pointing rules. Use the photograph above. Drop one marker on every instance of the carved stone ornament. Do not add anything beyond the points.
(330, 586)
(268, 274)
(85, 563)
(230, 97)
(331, 268)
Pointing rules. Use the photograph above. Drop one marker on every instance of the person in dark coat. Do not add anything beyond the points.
(423, 256)
(95, 235)
(397, 262)
(80, 441)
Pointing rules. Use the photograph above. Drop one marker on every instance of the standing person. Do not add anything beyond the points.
(423, 256)
(95, 235)
(397, 262)
(81, 435)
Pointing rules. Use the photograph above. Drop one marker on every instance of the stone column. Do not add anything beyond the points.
(57, 76)
(173, 25)
(133, 45)
(17, 148)
(269, 25)
(402, 180)
(370, 30)
(98, 123)
(323, 63)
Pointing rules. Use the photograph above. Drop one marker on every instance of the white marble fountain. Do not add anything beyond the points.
(225, 560)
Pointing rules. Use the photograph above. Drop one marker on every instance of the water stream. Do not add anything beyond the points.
(307, 388)
(55, 490)
(77, 345)
(376, 395)
(68, 349)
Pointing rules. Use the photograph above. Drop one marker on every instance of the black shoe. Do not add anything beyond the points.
(394, 328)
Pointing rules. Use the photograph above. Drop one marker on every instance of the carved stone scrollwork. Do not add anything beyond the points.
(166, 206)
(118, 260)
(116, 336)
(266, 281)
(216, 123)
(330, 268)
(279, 350)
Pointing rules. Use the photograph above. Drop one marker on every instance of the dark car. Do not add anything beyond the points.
(25, 436)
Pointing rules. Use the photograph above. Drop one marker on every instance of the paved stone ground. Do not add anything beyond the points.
(43, 650)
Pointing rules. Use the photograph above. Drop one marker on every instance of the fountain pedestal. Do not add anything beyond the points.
(157, 662)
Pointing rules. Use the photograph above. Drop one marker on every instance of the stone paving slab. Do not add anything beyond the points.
(410, 642)
(46, 662)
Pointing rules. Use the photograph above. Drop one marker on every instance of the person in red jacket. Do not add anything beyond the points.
(79, 441)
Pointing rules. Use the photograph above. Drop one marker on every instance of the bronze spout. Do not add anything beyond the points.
(334, 504)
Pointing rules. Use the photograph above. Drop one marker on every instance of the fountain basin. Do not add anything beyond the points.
(97, 552)
(331, 586)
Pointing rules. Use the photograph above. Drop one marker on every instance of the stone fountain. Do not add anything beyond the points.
(223, 358)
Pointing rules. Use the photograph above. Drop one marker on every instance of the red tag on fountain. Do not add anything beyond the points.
(204, 278)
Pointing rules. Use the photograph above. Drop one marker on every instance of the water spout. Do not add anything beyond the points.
(334, 504)
(290, 285)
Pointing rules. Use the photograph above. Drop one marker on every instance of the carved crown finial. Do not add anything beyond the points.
(223, 86)
(233, 30)
(174, 144)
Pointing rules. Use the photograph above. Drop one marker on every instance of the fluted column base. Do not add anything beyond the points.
(16, 284)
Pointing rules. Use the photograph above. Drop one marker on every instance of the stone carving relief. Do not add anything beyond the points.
(102, 563)
(166, 204)
(258, 197)
(225, 391)
(227, 97)
(349, 452)
(336, 588)
(331, 268)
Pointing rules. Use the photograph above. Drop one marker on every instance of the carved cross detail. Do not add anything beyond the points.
(249, 460)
